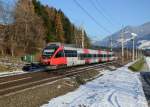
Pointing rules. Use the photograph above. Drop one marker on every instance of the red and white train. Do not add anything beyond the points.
(57, 55)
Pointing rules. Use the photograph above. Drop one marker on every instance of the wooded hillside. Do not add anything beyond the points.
(34, 26)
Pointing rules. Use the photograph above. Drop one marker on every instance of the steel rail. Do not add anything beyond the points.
(20, 86)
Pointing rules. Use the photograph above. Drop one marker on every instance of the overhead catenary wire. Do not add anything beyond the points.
(101, 13)
(92, 18)
(107, 14)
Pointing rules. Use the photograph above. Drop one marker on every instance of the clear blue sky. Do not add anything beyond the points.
(8, 5)
(119, 12)
(116, 12)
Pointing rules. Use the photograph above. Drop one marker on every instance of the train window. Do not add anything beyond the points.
(90, 55)
(74, 53)
(104, 55)
(70, 53)
(82, 56)
(60, 54)
(48, 52)
(52, 47)
(110, 55)
(95, 55)
(86, 55)
(67, 53)
(100, 55)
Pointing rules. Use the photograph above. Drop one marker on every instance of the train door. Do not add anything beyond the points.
(107, 56)
(59, 59)
(71, 61)
(80, 59)
(71, 56)
(99, 56)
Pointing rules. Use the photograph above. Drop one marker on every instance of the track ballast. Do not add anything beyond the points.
(16, 83)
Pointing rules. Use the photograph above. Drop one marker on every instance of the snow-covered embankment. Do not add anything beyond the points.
(120, 88)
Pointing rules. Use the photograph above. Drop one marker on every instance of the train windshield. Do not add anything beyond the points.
(49, 51)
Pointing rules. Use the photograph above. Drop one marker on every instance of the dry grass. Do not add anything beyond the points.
(4, 68)
(8, 63)
(137, 66)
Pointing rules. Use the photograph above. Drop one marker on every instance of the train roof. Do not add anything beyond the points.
(73, 46)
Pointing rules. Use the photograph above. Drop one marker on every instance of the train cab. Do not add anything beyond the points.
(53, 55)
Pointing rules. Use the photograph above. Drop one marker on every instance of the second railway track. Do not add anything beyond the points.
(16, 83)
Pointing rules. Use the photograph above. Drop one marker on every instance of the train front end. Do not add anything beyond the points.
(53, 56)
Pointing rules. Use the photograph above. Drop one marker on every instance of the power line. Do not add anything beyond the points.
(100, 12)
(106, 12)
(101, 26)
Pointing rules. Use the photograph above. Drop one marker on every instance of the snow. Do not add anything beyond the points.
(4, 74)
(144, 44)
(120, 88)
(148, 62)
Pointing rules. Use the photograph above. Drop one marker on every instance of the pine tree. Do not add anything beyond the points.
(59, 28)
(40, 10)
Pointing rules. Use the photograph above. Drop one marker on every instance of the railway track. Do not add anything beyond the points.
(145, 79)
(15, 83)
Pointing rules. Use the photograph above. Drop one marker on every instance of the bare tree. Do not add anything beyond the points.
(3, 20)
(6, 18)
(29, 30)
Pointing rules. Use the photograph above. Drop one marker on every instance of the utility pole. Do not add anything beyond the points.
(139, 53)
(122, 46)
(76, 43)
(79, 37)
(133, 50)
(127, 52)
(136, 53)
(111, 44)
(82, 37)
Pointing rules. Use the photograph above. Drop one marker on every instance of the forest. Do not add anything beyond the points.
(33, 25)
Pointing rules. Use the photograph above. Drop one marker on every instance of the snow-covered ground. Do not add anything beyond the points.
(120, 88)
(4, 74)
(144, 44)
(148, 61)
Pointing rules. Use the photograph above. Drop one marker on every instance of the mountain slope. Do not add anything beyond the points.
(142, 31)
